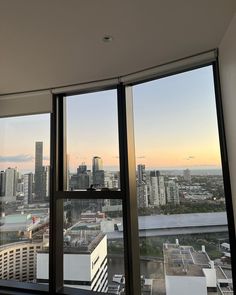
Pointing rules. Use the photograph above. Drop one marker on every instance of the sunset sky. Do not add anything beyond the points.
(175, 127)
(18, 136)
(175, 121)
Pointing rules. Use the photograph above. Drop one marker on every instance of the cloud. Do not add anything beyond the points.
(189, 158)
(16, 158)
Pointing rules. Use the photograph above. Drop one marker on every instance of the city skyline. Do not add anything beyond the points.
(19, 135)
(175, 127)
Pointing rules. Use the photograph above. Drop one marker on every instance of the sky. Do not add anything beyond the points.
(92, 129)
(17, 141)
(174, 120)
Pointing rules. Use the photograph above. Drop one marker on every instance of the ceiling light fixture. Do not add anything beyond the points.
(107, 38)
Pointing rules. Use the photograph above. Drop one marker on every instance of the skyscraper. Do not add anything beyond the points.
(154, 191)
(172, 191)
(10, 184)
(28, 188)
(2, 183)
(82, 168)
(141, 174)
(162, 191)
(98, 172)
(157, 189)
(40, 187)
(97, 164)
(142, 188)
(47, 181)
(187, 175)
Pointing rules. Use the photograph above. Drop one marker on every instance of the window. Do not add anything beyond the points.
(92, 141)
(90, 195)
(24, 186)
(92, 237)
(119, 224)
(180, 189)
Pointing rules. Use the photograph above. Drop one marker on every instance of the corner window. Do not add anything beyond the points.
(183, 232)
(24, 191)
(136, 192)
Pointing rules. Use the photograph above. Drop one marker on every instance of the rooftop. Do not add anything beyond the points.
(16, 244)
(83, 243)
(22, 222)
(186, 220)
(184, 260)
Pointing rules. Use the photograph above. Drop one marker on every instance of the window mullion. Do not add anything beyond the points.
(225, 168)
(56, 205)
(128, 188)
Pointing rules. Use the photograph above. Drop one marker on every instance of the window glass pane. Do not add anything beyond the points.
(24, 195)
(92, 141)
(93, 245)
(184, 240)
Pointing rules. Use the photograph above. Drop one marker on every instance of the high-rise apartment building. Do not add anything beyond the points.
(142, 188)
(10, 184)
(172, 192)
(82, 179)
(154, 191)
(28, 188)
(47, 181)
(187, 175)
(39, 178)
(157, 189)
(142, 195)
(162, 190)
(2, 183)
(82, 169)
(141, 174)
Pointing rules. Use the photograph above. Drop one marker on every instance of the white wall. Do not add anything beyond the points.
(77, 267)
(181, 285)
(42, 266)
(227, 59)
(210, 274)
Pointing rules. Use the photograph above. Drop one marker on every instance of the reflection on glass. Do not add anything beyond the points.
(93, 245)
(92, 141)
(24, 195)
(184, 242)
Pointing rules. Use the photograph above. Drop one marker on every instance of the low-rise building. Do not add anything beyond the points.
(188, 271)
(18, 261)
(85, 261)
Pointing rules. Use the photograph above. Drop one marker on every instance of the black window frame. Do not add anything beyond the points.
(127, 193)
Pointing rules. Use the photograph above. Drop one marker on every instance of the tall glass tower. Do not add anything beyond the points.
(98, 172)
(97, 164)
(40, 189)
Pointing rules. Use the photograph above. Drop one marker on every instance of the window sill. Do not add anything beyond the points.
(18, 288)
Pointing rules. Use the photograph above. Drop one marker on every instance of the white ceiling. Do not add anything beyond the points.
(51, 43)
